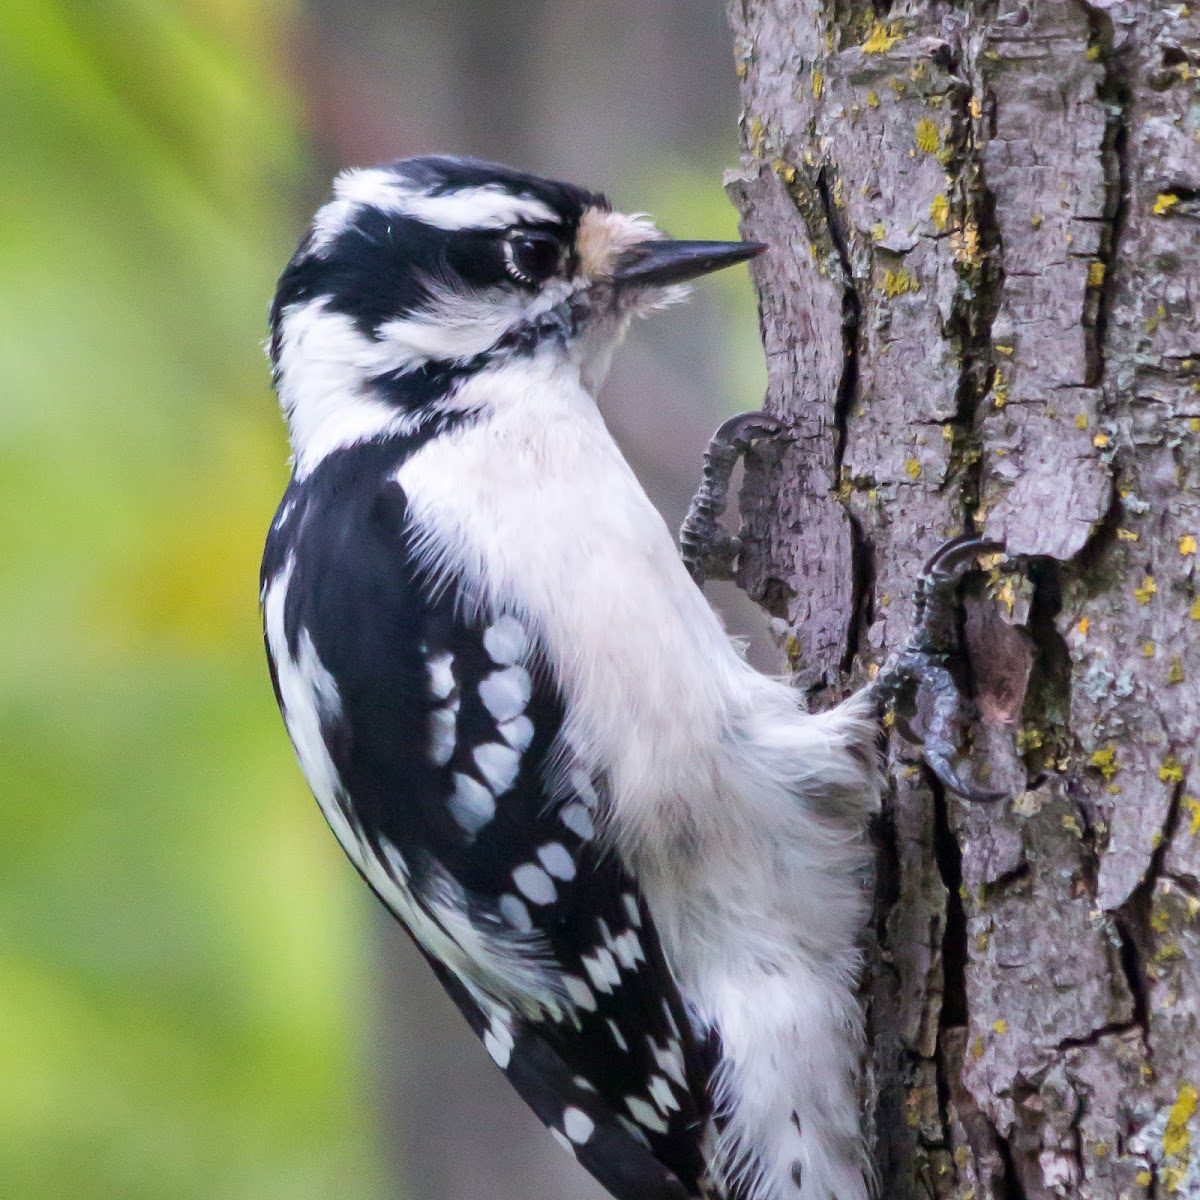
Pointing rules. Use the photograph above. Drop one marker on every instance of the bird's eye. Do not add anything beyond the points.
(531, 258)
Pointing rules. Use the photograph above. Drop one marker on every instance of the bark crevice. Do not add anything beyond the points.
(981, 277)
(851, 315)
(862, 564)
(948, 856)
(1013, 1188)
(1115, 92)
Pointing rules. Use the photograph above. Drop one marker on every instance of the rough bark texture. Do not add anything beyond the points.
(980, 310)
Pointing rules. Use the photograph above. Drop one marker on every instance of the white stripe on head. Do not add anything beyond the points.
(488, 206)
(326, 362)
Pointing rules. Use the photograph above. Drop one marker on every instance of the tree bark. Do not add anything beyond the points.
(980, 311)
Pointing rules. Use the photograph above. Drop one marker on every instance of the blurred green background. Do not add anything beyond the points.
(197, 999)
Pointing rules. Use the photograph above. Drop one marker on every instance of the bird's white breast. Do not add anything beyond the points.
(536, 511)
(740, 815)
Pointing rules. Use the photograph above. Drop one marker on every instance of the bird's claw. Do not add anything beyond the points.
(949, 713)
(740, 431)
(947, 774)
(709, 550)
(935, 629)
(923, 664)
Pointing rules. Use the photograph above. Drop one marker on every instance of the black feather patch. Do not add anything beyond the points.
(445, 738)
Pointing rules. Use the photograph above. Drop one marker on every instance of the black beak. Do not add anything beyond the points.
(663, 262)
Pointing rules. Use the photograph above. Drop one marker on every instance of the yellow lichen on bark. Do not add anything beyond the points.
(1176, 1137)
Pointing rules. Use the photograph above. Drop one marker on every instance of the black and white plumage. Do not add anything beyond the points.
(635, 863)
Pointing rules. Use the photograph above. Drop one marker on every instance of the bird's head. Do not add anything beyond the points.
(423, 274)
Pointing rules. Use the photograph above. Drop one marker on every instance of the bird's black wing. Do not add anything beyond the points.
(452, 793)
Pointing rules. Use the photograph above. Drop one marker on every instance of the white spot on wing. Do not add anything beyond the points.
(631, 907)
(670, 1016)
(534, 884)
(505, 640)
(498, 765)
(498, 958)
(577, 1125)
(618, 1036)
(644, 1114)
(661, 1094)
(578, 820)
(628, 949)
(630, 1128)
(513, 910)
(498, 1038)
(506, 693)
(441, 676)
(472, 806)
(581, 784)
(602, 970)
(442, 723)
(581, 995)
(489, 961)
(500, 1053)
(669, 1060)
(518, 732)
(556, 859)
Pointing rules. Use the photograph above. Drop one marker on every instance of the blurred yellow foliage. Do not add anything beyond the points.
(179, 965)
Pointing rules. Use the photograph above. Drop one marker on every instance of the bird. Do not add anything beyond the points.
(638, 865)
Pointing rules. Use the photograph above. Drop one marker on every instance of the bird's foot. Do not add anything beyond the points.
(924, 663)
(709, 550)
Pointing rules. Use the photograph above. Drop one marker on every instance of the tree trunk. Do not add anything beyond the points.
(980, 311)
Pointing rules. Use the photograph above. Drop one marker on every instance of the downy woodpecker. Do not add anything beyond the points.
(636, 864)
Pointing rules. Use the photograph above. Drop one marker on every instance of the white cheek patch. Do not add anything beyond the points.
(324, 362)
(455, 326)
(452, 328)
